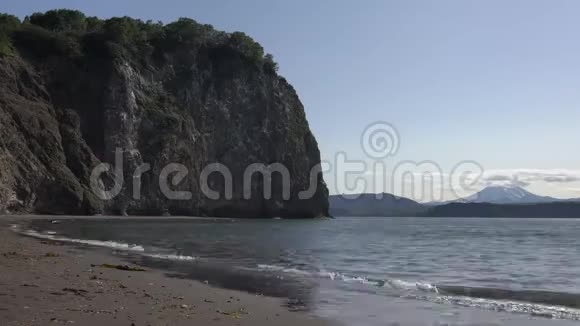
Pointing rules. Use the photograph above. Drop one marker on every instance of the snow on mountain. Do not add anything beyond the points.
(507, 195)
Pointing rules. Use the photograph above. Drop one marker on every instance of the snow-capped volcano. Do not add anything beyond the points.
(507, 195)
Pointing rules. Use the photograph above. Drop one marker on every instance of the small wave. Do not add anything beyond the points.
(350, 279)
(171, 257)
(400, 284)
(537, 310)
(535, 303)
(336, 276)
(51, 235)
(97, 243)
(283, 269)
(571, 300)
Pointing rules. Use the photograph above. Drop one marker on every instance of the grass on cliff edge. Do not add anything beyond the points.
(70, 33)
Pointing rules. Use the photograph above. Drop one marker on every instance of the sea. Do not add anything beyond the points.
(362, 271)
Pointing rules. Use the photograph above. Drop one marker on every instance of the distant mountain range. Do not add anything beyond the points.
(509, 195)
(374, 205)
(493, 201)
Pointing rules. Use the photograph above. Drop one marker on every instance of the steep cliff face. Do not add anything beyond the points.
(192, 104)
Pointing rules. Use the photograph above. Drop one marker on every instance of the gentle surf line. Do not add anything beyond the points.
(50, 235)
(571, 300)
(96, 243)
(538, 303)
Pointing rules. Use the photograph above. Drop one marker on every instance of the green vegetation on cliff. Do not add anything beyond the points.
(8, 24)
(71, 33)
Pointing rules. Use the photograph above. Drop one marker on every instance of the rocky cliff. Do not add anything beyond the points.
(76, 90)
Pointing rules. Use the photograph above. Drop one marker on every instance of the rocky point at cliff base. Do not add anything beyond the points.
(74, 90)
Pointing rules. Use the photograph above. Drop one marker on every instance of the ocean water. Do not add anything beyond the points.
(364, 271)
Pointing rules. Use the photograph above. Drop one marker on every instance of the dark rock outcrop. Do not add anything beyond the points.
(61, 115)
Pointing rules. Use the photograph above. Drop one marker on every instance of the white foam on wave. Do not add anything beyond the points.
(533, 309)
(51, 235)
(348, 279)
(336, 276)
(429, 292)
(171, 257)
(283, 269)
(405, 285)
(426, 287)
(96, 243)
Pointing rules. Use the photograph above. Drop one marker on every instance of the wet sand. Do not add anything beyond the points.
(48, 283)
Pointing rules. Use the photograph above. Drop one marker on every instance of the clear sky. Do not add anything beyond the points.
(493, 81)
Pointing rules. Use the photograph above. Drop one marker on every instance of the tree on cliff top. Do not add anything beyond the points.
(8, 23)
(61, 20)
(70, 32)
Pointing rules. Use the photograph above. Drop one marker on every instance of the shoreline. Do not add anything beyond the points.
(47, 282)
